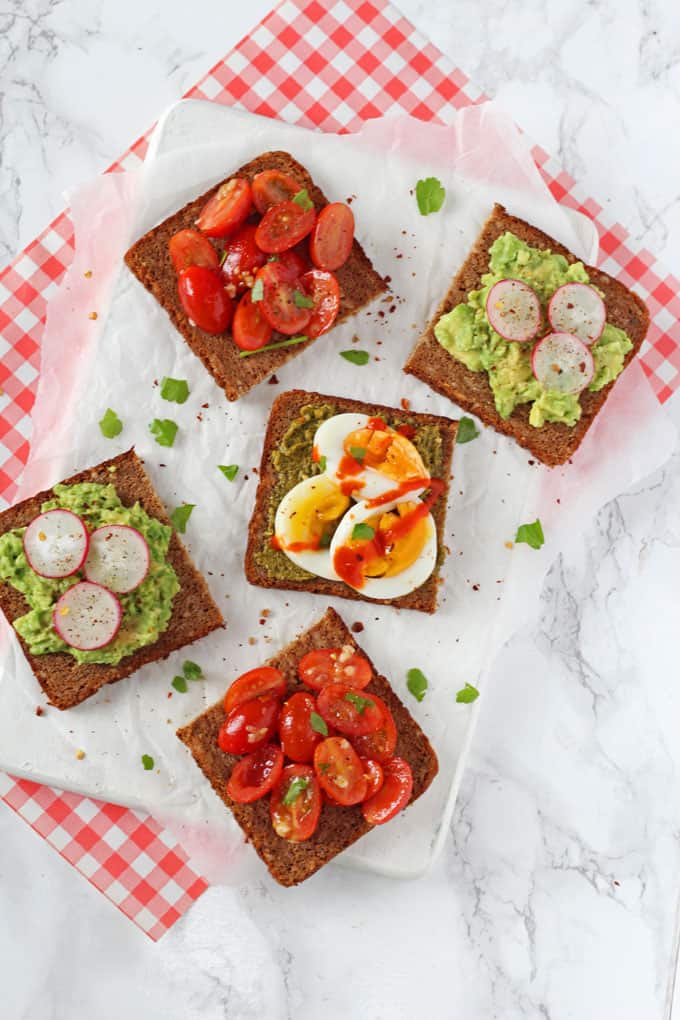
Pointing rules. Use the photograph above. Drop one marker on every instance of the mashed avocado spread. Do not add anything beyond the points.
(292, 461)
(466, 334)
(146, 610)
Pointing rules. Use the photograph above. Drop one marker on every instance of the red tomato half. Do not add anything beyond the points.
(250, 329)
(291, 264)
(295, 803)
(242, 258)
(271, 187)
(324, 291)
(348, 710)
(204, 299)
(283, 226)
(332, 665)
(340, 771)
(298, 738)
(255, 775)
(278, 302)
(254, 684)
(189, 248)
(374, 775)
(227, 209)
(394, 794)
(249, 725)
(380, 744)
(332, 237)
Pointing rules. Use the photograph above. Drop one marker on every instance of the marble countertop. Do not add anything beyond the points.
(557, 891)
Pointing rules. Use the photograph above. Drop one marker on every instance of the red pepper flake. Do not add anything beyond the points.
(475, 587)
(388, 279)
(399, 256)
(357, 627)
(92, 315)
(273, 380)
(39, 710)
(199, 417)
(393, 308)
(381, 314)
(205, 405)
(169, 694)
(405, 403)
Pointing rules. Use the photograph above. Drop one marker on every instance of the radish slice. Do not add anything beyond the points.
(577, 308)
(87, 616)
(56, 543)
(562, 363)
(118, 558)
(514, 310)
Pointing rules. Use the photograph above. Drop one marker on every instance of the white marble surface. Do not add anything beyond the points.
(556, 894)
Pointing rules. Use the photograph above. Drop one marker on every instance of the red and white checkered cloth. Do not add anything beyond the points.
(329, 66)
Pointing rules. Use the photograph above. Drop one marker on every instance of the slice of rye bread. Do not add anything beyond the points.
(285, 410)
(150, 261)
(339, 827)
(553, 443)
(194, 613)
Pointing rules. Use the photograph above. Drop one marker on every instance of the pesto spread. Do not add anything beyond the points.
(466, 334)
(146, 610)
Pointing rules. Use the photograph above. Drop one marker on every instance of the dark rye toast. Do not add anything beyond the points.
(194, 613)
(150, 262)
(553, 443)
(339, 827)
(285, 409)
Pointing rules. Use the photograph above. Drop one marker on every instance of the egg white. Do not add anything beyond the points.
(316, 561)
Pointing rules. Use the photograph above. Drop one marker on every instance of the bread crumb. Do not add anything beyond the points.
(93, 315)
(273, 380)
(87, 274)
(252, 640)
(80, 754)
(265, 613)
(405, 403)
(508, 545)
(357, 627)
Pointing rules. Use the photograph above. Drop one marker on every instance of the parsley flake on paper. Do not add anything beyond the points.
(164, 431)
(430, 195)
(416, 681)
(466, 695)
(229, 470)
(531, 534)
(176, 390)
(356, 357)
(467, 431)
(110, 425)
(180, 516)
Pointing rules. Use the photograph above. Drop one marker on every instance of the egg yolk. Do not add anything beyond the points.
(387, 452)
(312, 519)
(393, 556)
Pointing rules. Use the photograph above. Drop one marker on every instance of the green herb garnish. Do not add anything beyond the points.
(322, 463)
(301, 300)
(430, 195)
(180, 516)
(325, 540)
(359, 701)
(110, 425)
(467, 695)
(532, 534)
(180, 684)
(297, 786)
(147, 762)
(303, 200)
(323, 767)
(362, 531)
(274, 347)
(229, 470)
(163, 430)
(257, 290)
(192, 671)
(467, 431)
(416, 681)
(358, 452)
(318, 724)
(176, 390)
(356, 357)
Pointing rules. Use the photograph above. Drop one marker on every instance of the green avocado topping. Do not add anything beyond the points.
(146, 610)
(466, 334)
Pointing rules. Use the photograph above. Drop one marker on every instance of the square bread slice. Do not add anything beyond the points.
(553, 443)
(150, 261)
(339, 827)
(194, 613)
(285, 410)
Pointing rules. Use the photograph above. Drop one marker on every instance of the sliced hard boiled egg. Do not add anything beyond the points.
(305, 521)
(366, 457)
(375, 553)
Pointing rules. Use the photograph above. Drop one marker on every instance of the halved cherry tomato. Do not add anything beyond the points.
(228, 208)
(298, 738)
(340, 771)
(348, 710)
(271, 187)
(291, 263)
(242, 258)
(250, 329)
(373, 771)
(263, 680)
(278, 301)
(283, 226)
(204, 299)
(394, 794)
(324, 291)
(249, 725)
(332, 237)
(332, 665)
(255, 775)
(190, 248)
(380, 744)
(295, 803)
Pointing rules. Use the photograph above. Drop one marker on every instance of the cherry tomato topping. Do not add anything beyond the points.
(331, 665)
(283, 226)
(278, 302)
(324, 291)
(242, 258)
(250, 329)
(254, 684)
(228, 208)
(374, 775)
(394, 794)
(332, 237)
(204, 299)
(189, 248)
(295, 803)
(380, 744)
(249, 725)
(348, 710)
(255, 775)
(297, 735)
(291, 264)
(271, 187)
(340, 771)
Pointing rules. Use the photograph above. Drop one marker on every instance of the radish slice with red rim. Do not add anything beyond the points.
(577, 308)
(118, 558)
(562, 363)
(87, 616)
(514, 310)
(56, 543)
